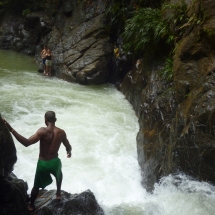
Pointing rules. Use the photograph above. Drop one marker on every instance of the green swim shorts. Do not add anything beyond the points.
(43, 171)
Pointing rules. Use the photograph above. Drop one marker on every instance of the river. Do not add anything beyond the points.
(101, 127)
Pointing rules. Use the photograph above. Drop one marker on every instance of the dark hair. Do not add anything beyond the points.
(50, 116)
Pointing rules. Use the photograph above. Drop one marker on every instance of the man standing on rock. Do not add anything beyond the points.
(50, 138)
(43, 56)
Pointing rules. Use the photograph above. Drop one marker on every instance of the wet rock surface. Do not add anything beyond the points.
(13, 199)
(77, 204)
(75, 35)
(7, 150)
(177, 119)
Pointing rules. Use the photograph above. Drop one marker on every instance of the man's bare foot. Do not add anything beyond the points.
(58, 197)
(31, 208)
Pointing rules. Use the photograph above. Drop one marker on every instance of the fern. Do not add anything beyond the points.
(144, 28)
(167, 71)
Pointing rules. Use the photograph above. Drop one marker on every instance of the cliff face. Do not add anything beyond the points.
(13, 190)
(75, 35)
(177, 119)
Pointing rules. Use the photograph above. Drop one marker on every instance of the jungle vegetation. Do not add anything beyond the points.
(146, 24)
(142, 25)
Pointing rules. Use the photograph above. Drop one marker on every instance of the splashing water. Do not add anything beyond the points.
(101, 127)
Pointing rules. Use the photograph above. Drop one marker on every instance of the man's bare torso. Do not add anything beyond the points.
(50, 142)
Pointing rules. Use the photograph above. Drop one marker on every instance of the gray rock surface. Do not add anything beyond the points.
(177, 119)
(75, 35)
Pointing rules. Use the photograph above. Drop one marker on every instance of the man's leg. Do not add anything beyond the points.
(58, 194)
(47, 70)
(34, 194)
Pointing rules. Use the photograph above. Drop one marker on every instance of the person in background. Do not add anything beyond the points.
(138, 63)
(43, 56)
(49, 58)
(50, 138)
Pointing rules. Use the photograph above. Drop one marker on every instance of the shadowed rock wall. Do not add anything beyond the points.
(7, 150)
(13, 190)
(177, 119)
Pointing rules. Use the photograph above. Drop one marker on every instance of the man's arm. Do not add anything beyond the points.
(24, 141)
(67, 145)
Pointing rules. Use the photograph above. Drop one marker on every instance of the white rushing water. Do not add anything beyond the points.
(101, 127)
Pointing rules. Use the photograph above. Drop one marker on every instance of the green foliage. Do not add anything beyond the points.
(148, 27)
(167, 71)
(144, 29)
(210, 32)
(117, 14)
(178, 13)
(26, 12)
(175, 16)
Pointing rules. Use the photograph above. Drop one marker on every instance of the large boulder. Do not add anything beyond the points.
(16, 35)
(77, 204)
(82, 51)
(7, 150)
(13, 198)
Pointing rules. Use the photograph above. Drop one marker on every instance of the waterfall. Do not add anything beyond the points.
(101, 127)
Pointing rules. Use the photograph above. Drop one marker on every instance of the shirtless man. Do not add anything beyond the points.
(43, 56)
(50, 138)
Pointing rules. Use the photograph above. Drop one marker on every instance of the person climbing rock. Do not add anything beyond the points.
(50, 138)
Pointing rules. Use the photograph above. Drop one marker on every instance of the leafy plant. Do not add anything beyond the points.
(175, 16)
(116, 15)
(167, 71)
(178, 12)
(144, 29)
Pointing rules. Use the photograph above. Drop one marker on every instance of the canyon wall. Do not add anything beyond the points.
(75, 35)
(176, 117)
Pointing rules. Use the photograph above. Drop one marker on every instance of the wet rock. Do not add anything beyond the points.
(40, 22)
(77, 204)
(13, 199)
(177, 119)
(81, 49)
(13, 190)
(7, 150)
(15, 35)
(75, 35)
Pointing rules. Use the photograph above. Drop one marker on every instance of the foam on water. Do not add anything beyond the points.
(102, 127)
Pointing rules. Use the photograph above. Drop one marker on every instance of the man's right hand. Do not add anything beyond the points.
(69, 154)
